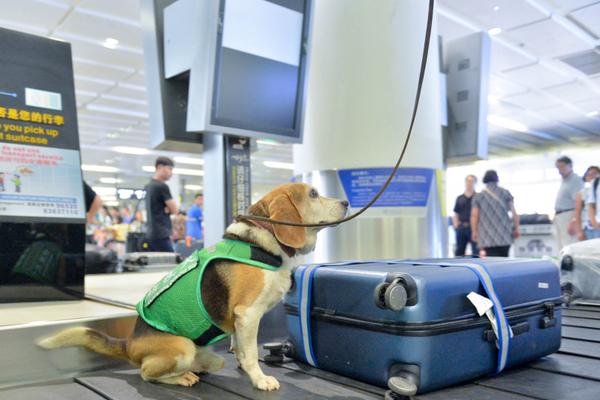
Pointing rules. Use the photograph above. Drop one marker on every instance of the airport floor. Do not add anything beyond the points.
(572, 373)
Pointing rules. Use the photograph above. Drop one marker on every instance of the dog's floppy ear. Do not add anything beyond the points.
(281, 208)
(259, 209)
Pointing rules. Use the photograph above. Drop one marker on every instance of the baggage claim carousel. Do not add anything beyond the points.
(27, 372)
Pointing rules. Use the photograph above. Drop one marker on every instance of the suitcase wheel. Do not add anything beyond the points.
(277, 351)
(392, 296)
(403, 385)
(567, 264)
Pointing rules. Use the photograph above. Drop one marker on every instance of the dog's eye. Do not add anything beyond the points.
(313, 194)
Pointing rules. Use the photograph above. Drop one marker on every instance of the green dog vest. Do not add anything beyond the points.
(174, 304)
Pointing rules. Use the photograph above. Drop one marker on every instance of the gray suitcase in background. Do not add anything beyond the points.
(580, 271)
(150, 260)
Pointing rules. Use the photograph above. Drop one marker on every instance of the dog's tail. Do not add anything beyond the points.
(90, 339)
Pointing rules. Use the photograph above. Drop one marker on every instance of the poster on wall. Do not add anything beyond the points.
(40, 173)
(409, 188)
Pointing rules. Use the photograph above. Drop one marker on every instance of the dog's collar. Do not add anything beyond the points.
(290, 251)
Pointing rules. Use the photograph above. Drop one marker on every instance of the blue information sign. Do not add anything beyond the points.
(409, 188)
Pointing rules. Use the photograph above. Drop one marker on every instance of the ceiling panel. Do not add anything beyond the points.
(128, 9)
(501, 87)
(128, 92)
(568, 5)
(99, 53)
(450, 30)
(503, 58)
(102, 71)
(589, 105)
(92, 84)
(572, 92)
(531, 100)
(537, 76)
(120, 104)
(98, 29)
(42, 15)
(589, 17)
(547, 38)
(510, 13)
(571, 117)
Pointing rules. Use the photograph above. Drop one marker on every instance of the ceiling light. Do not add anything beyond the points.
(192, 187)
(492, 100)
(112, 135)
(131, 150)
(111, 203)
(110, 43)
(496, 8)
(189, 160)
(279, 165)
(591, 114)
(105, 190)
(269, 142)
(109, 180)
(188, 171)
(495, 31)
(177, 171)
(98, 168)
(507, 123)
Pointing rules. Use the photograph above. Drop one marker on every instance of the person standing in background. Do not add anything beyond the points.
(582, 218)
(461, 220)
(194, 218)
(564, 207)
(594, 210)
(160, 205)
(492, 226)
(93, 202)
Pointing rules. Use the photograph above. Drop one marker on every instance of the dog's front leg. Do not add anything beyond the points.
(246, 334)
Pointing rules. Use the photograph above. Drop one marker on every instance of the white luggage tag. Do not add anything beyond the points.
(485, 306)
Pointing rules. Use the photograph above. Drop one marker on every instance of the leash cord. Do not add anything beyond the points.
(406, 141)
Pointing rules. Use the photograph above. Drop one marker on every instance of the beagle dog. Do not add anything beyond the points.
(235, 295)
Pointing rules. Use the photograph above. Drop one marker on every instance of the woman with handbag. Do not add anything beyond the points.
(494, 220)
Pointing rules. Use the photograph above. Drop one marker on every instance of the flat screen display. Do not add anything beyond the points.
(40, 172)
(260, 66)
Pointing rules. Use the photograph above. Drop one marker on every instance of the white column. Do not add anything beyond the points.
(364, 65)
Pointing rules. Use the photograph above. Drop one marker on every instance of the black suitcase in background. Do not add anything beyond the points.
(136, 242)
(100, 260)
(149, 260)
(184, 251)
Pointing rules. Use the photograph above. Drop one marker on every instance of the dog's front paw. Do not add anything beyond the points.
(266, 383)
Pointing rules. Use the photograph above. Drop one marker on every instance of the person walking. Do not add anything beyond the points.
(461, 220)
(194, 218)
(494, 220)
(594, 210)
(582, 218)
(160, 205)
(564, 207)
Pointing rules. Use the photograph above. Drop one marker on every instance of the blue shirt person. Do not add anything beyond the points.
(194, 218)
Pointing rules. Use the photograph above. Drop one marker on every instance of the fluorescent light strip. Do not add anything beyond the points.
(123, 99)
(139, 151)
(94, 41)
(177, 171)
(132, 86)
(507, 123)
(110, 43)
(495, 31)
(592, 114)
(126, 21)
(105, 190)
(268, 142)
(99, 81)
(118, 111)
(109, 180)
(98, 168)
(189, 160)
(278, 165)
(80, 60)
(192, 187)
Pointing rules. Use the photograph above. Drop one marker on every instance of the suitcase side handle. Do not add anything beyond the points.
(517, 329)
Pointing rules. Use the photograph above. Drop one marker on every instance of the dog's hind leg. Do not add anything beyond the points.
(170, 363)
(207, 361)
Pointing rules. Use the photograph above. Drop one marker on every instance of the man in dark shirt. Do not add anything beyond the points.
(93, 202)
(461, 218)
(160, 205)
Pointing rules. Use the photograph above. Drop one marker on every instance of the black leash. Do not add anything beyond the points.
(389, 179)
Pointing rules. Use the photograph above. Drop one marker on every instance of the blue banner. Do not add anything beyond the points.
(409, 188)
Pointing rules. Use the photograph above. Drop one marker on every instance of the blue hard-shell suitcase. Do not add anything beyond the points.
(409, 324)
